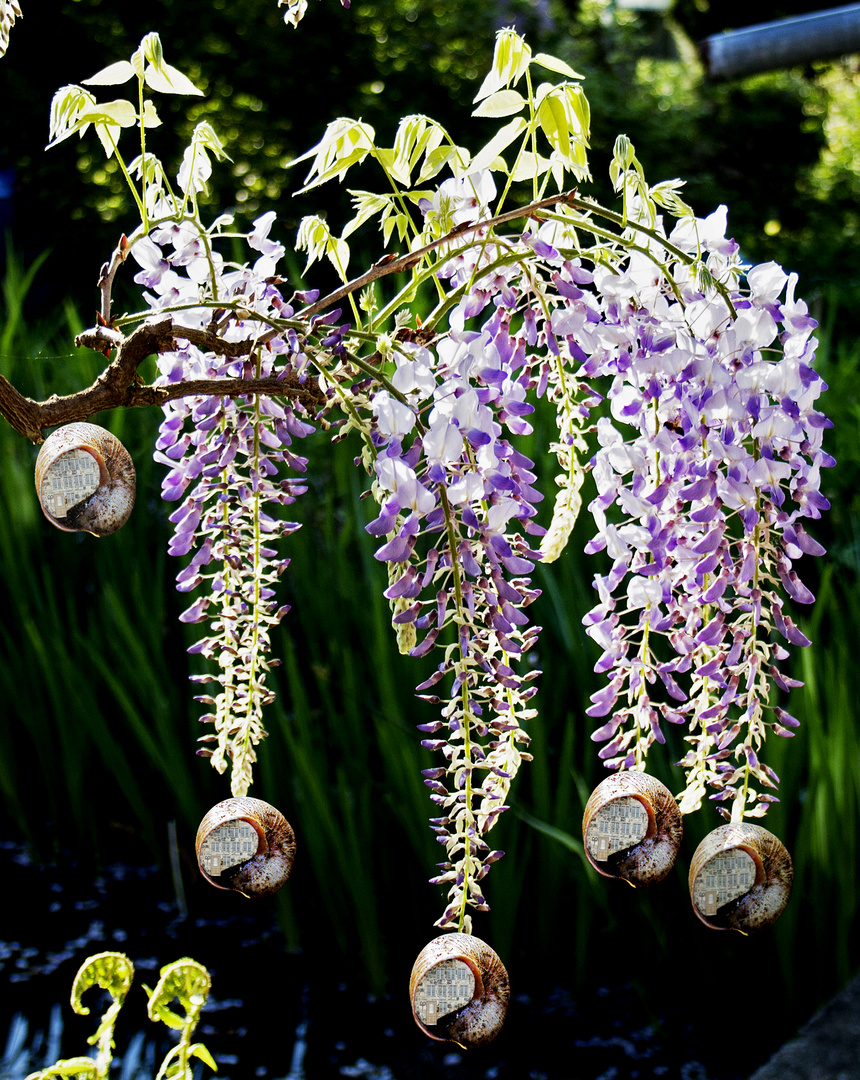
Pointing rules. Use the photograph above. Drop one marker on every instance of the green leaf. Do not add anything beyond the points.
(112, 75)
(67, 105)
(338, 256)
(150, 116)
(367, 205)
(554, 124)
(119, 113)
(198, 1050)
(416, 135)
(554, 64)
(168, 80)
(511, 58)
(529, 166)
(502, 139)
(345, 143)
(437, 159)
(152, 51)
(502, 103)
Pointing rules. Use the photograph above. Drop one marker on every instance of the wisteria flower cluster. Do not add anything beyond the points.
(680, 378)
(230, 463)
(456, 480)
(709, 461)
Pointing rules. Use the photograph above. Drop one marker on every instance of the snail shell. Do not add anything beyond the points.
(246, 845)
(740, 878)
(459, 990)
(85, 480)
(632, 828)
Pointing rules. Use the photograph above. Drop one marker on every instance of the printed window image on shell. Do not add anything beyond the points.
(725, 877)
(72, 477)
(444, 989)
(230, 844)
(619, 824)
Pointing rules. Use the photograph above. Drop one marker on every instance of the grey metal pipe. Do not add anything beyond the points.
(768, 46)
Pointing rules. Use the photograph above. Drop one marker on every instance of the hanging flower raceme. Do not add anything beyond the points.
(710, 460)
(230, 462)
(455, 500)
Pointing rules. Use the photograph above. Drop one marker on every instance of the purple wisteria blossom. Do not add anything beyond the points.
(456, 502)
(231, 464)
(710, 458)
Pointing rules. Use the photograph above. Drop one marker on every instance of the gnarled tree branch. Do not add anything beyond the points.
(119, 385)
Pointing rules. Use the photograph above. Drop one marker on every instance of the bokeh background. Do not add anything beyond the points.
(97, 721)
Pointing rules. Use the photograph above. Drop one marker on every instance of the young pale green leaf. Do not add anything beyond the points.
(314, 236)
(198, 1050)
(553, 120)
(416, 135)
(665, 194)
(168, 80)
(67, 106)
(171, 1068)
(437, 159)
(367, 206)
(502, 103)
(564, 119)
(152, 51)
(108, 119)
(112, 75)
(150, 116)
(500, 141)
(119, 113)
(204, 135)
(112, 971)
(552, 63)
(511, 59)
(529, 166)
(392, 221)
(338, 255)
(345, 143)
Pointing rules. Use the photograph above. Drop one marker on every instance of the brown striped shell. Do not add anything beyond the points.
(459, 990)
(632, 828)
(85, 480)
(246, 845)
(740, 878)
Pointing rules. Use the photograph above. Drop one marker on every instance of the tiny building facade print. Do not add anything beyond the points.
(724, 878)
(444, 989)
(619, 824)
(228, 845)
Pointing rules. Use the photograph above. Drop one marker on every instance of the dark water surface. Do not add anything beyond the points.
(275, 1014)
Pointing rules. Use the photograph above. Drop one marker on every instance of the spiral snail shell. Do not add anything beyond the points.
(740, 878)
(459, 990)
(246, 845)
(85, 480)
(632, 828)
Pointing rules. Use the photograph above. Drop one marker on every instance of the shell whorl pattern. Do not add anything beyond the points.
(740, 878)
(85, 480)
(262, 841)
(477, 1019)
(632, 828)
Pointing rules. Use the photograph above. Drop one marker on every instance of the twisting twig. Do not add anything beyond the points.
(391, 264)
(108, 273)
